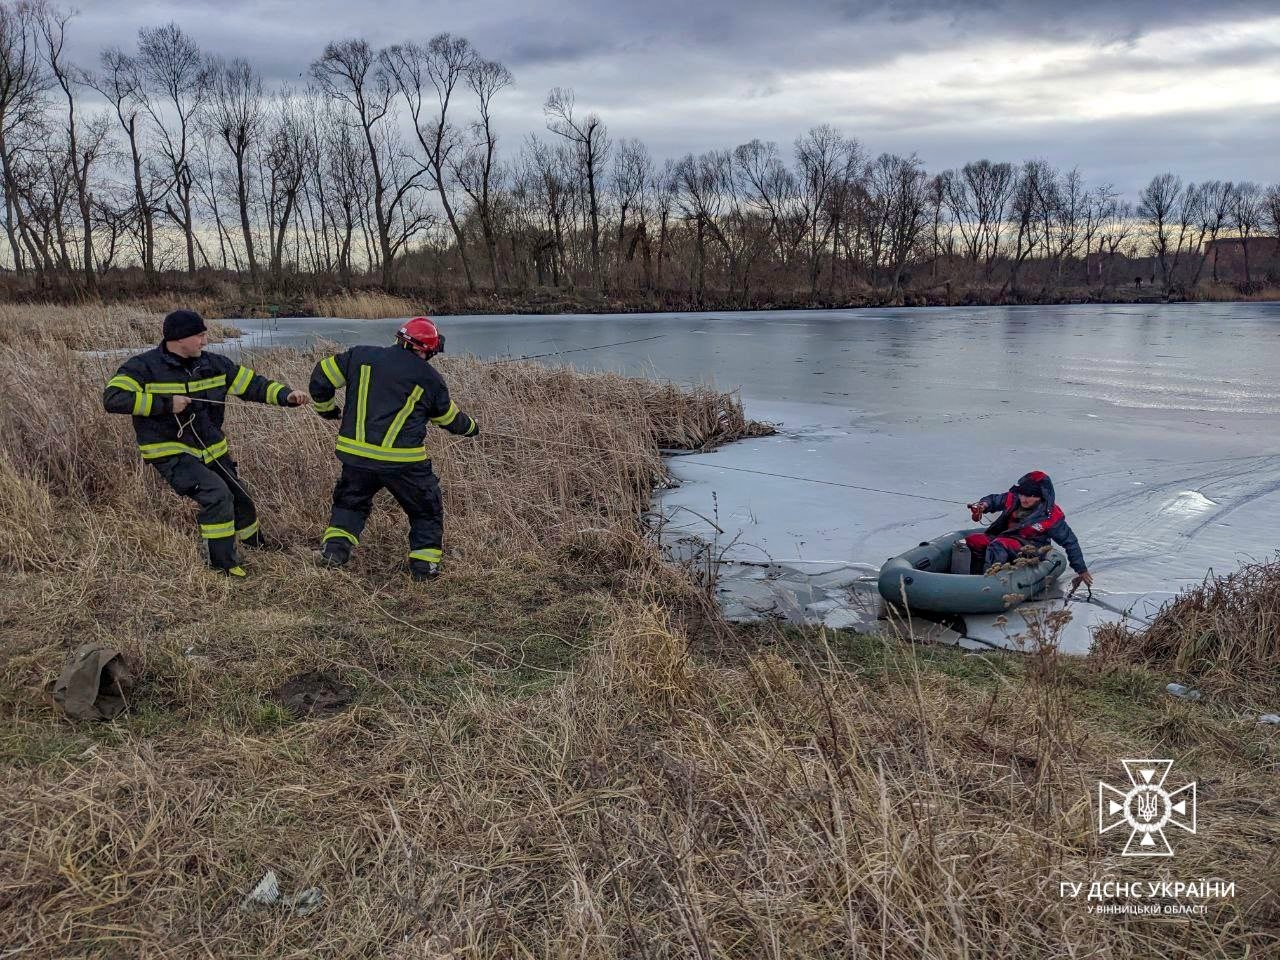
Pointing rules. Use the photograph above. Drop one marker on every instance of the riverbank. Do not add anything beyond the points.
(215, 296)
(558, 748)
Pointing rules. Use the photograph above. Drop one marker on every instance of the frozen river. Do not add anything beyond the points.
(1155, 422)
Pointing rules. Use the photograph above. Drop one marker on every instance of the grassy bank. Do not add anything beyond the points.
(555, 749)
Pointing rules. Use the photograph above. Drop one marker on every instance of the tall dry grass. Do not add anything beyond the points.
(1225, 629)
(94, 326)
(365, 305)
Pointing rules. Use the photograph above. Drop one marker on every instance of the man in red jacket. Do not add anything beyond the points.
(1028, 517)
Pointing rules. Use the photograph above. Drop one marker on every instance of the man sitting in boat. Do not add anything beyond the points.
(1028, 517)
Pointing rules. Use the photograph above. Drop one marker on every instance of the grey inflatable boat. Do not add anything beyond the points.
(922, 578)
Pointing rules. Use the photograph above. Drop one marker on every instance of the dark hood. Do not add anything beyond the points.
(1040, 479)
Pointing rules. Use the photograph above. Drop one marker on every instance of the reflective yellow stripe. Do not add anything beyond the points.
(374, 452)
(337, 533)
(273, 391)
(217, 531)
(154, 451)
(324, 406)
(248, 531)
(430, 554)
(329, 365)
(241, 383)
(142, 403)
(394, 430)
(471, 429)
(207, 384)
(166, 387)
(448, 416)
(362, 397)
(125, 383)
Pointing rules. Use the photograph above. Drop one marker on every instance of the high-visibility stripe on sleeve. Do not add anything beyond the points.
(241, 383)
(142, 404)
(329, 365)
(125, 382)
(337, 533)
(448, 416)
(217, 531)
(273, 391)
(324, 406)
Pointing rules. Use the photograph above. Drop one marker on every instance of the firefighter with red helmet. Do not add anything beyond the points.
(392, 393)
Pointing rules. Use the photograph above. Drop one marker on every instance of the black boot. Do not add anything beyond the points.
(423, 570)
(335, 553)
(258, 541)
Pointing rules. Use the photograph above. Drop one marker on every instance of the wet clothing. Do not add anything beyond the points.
(189, 449)
(391, 396)
(1016, 528)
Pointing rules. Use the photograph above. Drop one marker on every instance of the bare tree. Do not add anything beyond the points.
(1159, 204)
(23, 83)
(1247, 213)
(288, 156)
(590, 138)
(349, 73)
(235, 112)
(478, 171)
(438, 67)
(826, 159)
(899, 189)
(175, 89)
(632, 170)
(120, 82)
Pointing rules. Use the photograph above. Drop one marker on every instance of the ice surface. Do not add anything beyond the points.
(1156, 423)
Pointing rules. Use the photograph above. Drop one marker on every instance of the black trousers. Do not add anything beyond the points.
(416, 489)
(227, 512)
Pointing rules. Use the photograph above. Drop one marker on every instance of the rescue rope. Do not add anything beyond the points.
(717, 466)
(539, 356)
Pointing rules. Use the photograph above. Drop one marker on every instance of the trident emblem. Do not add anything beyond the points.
(1147, 808)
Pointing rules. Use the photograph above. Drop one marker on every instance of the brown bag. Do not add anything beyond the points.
(94, 685)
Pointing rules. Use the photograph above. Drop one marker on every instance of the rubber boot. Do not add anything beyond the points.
(423, 570)
(335, 553)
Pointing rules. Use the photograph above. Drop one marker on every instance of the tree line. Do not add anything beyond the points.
(386, 165)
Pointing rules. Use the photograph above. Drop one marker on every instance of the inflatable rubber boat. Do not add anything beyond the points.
(938, 577)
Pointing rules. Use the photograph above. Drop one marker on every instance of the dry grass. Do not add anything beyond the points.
(536, 764)
(365, 305)
(93, 326)
(1226, 629)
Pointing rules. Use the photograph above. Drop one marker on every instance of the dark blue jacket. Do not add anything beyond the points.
(1046, 522)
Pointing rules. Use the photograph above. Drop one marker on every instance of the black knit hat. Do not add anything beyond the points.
(1028, 488)
(182, 324)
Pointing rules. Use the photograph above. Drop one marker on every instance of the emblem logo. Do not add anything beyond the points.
(1147, 808)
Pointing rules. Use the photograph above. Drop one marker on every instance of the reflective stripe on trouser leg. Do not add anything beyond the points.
(191, 478)
(246, 512)
(352, 500)
(417, 490)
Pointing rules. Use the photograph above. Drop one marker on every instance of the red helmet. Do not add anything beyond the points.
(421, 332)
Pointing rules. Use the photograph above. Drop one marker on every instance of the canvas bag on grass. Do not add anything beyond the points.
(94, 685)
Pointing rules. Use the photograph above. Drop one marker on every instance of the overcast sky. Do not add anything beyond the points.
(1122, 88)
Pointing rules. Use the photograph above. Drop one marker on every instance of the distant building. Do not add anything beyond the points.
(1225, 259)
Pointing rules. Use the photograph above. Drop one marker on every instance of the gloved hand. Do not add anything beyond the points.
(975, 511)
